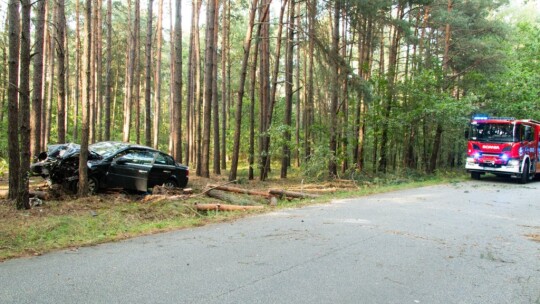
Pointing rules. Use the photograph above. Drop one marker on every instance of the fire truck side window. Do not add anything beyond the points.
(528, 133)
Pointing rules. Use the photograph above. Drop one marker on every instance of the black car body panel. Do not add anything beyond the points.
(112, 165)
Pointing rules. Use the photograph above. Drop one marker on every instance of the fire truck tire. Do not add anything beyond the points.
(525, 175)
(475, 175)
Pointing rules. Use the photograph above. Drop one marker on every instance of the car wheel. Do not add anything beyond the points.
(171, 184)
(525, 175)
(475, 175)
(92, 185)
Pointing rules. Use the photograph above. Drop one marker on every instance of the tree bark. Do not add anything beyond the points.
(240, 190)
(157, 78)
(37, 87)
(77, 83)
(14, 29)
(291, 194)
(85, 123)
(253, 81)
(137, 75)
(215, 99)
(148, 77)
(308, 121)
(24, 107)
(264, 90)
(208, 88)
(108, 71)
(177, 91)
(332, 166)
(224, 84)
(130, 69)
(286, 157)
(61, 84)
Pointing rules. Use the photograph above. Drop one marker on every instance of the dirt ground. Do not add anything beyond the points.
(198, 185)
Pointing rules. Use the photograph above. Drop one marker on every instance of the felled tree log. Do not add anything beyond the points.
(220, 207)
(240, 190)
(39, 194)
(292, 194)
(233, 199)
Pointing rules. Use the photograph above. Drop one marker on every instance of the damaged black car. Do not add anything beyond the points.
(111, 165)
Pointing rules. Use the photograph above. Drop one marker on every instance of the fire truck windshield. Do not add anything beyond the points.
(492, 132)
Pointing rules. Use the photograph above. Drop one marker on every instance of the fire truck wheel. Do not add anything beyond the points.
(525, 175)
(475, 175)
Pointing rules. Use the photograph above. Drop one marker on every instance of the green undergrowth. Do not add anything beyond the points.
(70, 224)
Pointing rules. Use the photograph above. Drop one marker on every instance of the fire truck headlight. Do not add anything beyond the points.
(513, 163)
(504, 157)
(476, 155)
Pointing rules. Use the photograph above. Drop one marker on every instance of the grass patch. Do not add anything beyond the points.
(106, 218)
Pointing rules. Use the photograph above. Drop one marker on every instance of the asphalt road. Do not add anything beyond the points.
(461, 243)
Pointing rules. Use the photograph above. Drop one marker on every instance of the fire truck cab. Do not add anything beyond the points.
(503, 146)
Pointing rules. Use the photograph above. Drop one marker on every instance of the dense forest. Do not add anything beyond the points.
(334, 88)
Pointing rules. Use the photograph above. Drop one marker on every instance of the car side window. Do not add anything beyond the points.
(162, 159)
(138, 157)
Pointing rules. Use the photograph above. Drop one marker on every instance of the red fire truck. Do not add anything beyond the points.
(503, 146)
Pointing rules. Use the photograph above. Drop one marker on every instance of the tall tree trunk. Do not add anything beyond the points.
(4, 81)
(215, 100)
(208, 87)
(308, 121)
(77, 72)
(297, 26)
(37, 87)
(265, 95)
(285, 161)
(85, 123)
(108, 72)
(224, 84)
(128, 101)
(14, 29)
(61, 85)
(99, 70)
(177, 102)
(192, 83)
(148, 77)
(332, 166)
(243, 74)
(24, 107)
(137, 75)
(344, 77)
(47, 115)
(251, 152)
(157, 78)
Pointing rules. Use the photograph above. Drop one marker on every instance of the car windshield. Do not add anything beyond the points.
(492, 132)
(107, 148)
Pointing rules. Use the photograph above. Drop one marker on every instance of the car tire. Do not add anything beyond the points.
(475, 175)
(525, 175)
(93, 186)
(171, 184)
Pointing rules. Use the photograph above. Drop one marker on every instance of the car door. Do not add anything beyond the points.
(162, 169)
(130, 169)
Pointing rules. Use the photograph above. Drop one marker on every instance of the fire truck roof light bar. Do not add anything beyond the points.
(494, 118)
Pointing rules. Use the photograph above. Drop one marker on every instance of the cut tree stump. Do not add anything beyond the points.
(292, 194)
(220, 207)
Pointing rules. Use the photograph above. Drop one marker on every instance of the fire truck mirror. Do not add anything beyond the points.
(466, 134)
